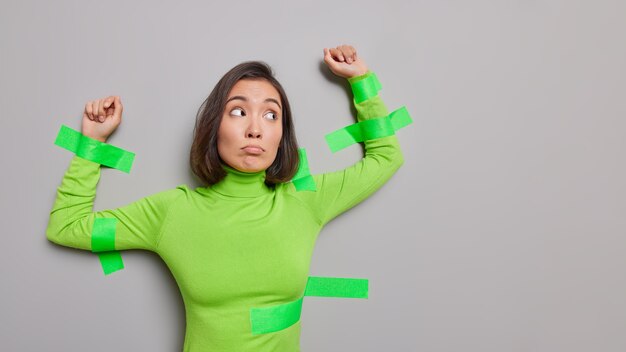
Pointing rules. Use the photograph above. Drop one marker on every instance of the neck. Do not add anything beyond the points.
(242, 184)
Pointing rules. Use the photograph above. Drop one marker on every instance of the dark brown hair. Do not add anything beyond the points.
(204, 158)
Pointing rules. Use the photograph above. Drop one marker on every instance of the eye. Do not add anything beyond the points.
(239, 113)
(271, 116)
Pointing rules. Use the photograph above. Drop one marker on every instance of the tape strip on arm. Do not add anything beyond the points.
(341, 190)
(72, 218)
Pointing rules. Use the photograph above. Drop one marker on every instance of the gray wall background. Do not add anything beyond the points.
(503, 231)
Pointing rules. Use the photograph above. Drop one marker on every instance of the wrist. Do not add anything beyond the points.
(364, 86)
(99, 139)
(358, 76)
(94, 149)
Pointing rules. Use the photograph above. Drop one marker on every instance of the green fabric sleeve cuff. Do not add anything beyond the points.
(364, 86)
(354, 79)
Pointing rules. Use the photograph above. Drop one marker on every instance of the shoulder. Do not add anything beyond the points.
(304, 195)
(169, 196)
(287, 189)
(302, 190)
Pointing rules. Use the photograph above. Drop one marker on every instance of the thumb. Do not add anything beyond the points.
(328, 58)
(108, 102)
(118, 107)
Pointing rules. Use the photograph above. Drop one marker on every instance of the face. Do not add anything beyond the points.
(251, 126)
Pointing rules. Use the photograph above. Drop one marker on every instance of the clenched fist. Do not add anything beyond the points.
(101, 117)
(344, 62)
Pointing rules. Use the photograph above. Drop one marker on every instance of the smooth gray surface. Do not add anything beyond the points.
(503, 231)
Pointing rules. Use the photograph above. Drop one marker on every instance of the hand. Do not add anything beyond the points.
(344, 62)
(101, 117)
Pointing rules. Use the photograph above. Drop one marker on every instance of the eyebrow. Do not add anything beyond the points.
(239, 97)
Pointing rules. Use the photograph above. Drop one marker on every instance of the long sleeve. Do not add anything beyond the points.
(72, 217)
(341, 190)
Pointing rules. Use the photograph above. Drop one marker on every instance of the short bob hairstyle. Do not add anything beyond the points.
(204, 158)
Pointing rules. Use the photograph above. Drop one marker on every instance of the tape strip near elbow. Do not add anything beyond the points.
(365, 88)
(275, 318)
(368, 129)
(302, 180)
(94, 150)
(103, 243)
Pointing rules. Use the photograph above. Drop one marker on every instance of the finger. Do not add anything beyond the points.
(347, 52)
(108, 112)
(117, 113)
(103, 111)
(109, 106)
(330, 61)
(96, 109)
(353, 53)
(108, 101)
(327, 56)
(88, 110)
(94, 116)
(336, 53)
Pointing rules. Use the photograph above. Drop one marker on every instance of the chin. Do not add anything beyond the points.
(252, 168)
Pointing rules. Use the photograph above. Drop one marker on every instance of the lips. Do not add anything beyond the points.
(253, 149)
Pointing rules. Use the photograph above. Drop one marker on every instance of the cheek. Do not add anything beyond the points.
(226, 131)
(224, 138)
(277, 135)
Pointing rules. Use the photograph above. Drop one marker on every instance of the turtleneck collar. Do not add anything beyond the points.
(241, 184)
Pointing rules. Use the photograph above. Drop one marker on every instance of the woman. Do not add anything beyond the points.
(245, 239)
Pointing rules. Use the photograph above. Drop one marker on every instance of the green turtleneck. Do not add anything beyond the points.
(233, 246)
(241, 184)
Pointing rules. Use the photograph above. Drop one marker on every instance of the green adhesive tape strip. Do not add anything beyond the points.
(111, 262)
(368, 129)
(275, 318)
(282, 316)
(365, 88)
(302, 180)
(336, 287)
(103, 243)
(94, 150)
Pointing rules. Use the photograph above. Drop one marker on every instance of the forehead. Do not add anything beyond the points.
(254, 89)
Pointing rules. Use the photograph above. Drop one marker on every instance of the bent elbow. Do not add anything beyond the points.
(57, 230)
(69, 233)
(52, 233)
(399, 160)
(396, 160)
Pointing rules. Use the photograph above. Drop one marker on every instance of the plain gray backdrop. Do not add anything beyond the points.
(503, 231)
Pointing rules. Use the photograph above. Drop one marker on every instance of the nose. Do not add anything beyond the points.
(254, 129)
(254, 134)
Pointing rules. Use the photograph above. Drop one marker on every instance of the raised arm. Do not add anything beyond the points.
(339, 191)
(71, 223)
(72, 218)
